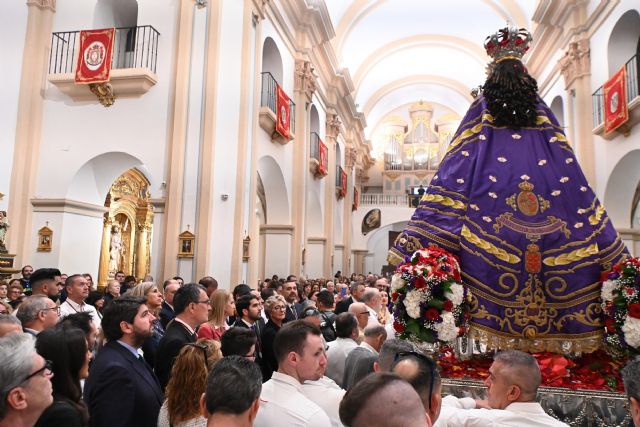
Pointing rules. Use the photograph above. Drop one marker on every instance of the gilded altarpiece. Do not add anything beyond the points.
(126, 234)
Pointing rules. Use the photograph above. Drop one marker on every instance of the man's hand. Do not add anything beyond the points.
(482, 404)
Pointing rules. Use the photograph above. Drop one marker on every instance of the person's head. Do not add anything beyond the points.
(179, 279)
(291, 278)
(331, 287)
(15, 290)
(9, 324)
(150, 292)
(299, 350)
(422, 373)
(240, 290)
(129, 281)
(275, 308)
(313, 315)
(371, 298)
(25, 380)
(266, 293)
(44, 281)
(382, 400)
(119, 276)
(222, 305)
(5, 308)
(242, 382)
(170, 287)
(113, 288)
(359, 310)
(210, 284)
(346, 326)
(248, 308)
(256, 294)
(325, 300)
(382, 284)
(96, 299)
(357, 289)
(239, 342)
(77, 288)
(147, 278)
(189, 378)
(89, 279)
(388, 353)
(375, 335)
(4, 289)
(191, 304)
(631, 380)
(514, 376)
(127, 319)
(38, 312)
(67, 348)
(26, 271)
(84, 322)
(290, 292)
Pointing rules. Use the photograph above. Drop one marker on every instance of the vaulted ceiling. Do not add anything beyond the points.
(400, 51)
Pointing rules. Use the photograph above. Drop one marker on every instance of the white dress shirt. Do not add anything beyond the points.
(70, 307)
(336, 356)
(373, 317)
(327, 395)
(283, 404)
(517, 414)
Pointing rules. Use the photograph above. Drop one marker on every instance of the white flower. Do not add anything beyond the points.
(631, 329)
(542, 162)
(569, 160)
(447, 329)
(516, 136)
(607, 290)
(486, 218)
(474, 207)
(555, 193)
(578, 225)
(583, 188)
(564, 179)
(456, 294)
(397, 282)
(412, 303)
(502, 159)
(581, 211)
(524, 177)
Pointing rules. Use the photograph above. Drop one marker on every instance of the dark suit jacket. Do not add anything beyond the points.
(175, 337)
(61, 413)
(343, 306)
(269, 362)
(166, 314)
(122, 390)
(289, 315)
(260, 326)
(358, 365)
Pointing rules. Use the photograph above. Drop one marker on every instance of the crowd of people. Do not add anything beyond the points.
(292, 352)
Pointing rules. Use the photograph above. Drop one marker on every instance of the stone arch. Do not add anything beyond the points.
(314, 120)
(272, 60)
(623, 40)
(620, 193)
(115, 13)
(378, 245)
(276, 196)
(557, 107)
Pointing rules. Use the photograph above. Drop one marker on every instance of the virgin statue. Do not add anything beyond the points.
(510, 200)
(116, 249)
(4, 225)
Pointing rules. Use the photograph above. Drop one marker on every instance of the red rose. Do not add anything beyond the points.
(448, 305)
(462, 330)
(420, 282)
(609, 324)
(456, 275)
(432, 314)
(394, 296)
(629, 291)
(399, 327)
(634, 310)
(604, 276)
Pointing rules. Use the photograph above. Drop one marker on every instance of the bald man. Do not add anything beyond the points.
(422, 373)
(383, 400)
(360, 311)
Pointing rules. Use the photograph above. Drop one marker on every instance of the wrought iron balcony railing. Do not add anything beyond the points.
(315, 146)
(268, 98)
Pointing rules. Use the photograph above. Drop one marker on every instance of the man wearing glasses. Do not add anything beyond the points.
(25, 382)
(37, 313)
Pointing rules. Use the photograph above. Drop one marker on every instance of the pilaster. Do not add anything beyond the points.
(332, 131)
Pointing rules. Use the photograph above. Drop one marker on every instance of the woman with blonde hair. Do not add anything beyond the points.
(222, 306)
(153, 299)
(188, 382)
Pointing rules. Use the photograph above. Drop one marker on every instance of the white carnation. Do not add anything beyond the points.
(631, 329)
(412, 303)
(447, 329)
(456, 294)
(607, 290)
(396, 282)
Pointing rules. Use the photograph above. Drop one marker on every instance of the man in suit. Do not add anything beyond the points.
(357, 290)
(360, 361)
(191, 305)
(167, 313)
(290, 293)
(121, 388)
(249, 316)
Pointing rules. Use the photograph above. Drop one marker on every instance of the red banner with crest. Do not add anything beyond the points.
(283, 110)
(343, 182)
(616, 112)
(324, 154)
(94, 56)
(356, 198)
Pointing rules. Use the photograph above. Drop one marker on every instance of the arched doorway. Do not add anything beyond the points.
(623, 41)
(126, 236)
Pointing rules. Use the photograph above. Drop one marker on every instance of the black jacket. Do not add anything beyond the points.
(175, 337)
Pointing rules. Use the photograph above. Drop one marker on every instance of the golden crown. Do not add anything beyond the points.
(508, 43)
(525, 186)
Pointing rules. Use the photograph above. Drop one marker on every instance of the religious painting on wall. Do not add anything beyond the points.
(45, 237)
(187, 244)
(371, 221)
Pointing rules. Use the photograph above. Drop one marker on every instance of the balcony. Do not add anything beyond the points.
(314, 156)
(633, 101)
(133, 65)
(268, 109)
(386, 200)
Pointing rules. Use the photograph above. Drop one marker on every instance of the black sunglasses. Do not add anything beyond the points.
(204, 349)
(432, 366)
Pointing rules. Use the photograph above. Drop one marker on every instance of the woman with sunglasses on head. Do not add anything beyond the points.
(65, 348)
(275, 309)
(188, 382)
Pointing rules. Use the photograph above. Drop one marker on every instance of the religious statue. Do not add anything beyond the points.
(116, 249)
(510, 200)
(4, 225)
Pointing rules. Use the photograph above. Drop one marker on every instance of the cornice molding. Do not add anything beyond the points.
(68, 206)
(43, 4)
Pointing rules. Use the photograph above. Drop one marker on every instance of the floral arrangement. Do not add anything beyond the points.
(621, 306)
(430, 304)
